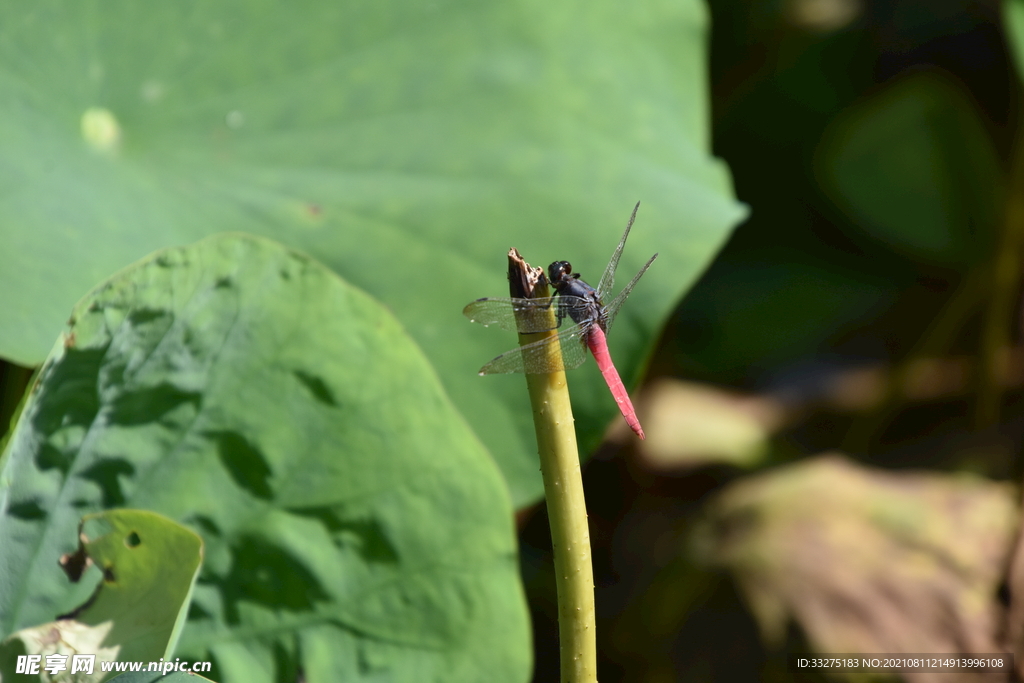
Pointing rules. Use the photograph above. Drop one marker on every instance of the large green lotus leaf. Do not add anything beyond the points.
(407, 145)
(355, 528)
(914, 167)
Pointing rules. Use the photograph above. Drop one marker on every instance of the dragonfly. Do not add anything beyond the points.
(574, 302)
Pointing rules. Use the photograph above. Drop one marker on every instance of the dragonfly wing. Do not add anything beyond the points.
(537, 358)
(612, 309)
(502, 312)
(608, 279)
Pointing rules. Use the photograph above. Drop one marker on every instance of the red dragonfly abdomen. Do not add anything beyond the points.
(599, 347)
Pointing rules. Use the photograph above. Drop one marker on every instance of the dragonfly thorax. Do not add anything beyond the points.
(577, 299)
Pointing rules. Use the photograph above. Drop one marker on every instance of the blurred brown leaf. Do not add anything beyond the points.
(689, 424)
(865, 560)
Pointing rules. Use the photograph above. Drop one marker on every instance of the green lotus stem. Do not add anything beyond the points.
(563, 488)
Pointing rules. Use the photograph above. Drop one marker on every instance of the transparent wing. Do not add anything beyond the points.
(608, 279)
(536, 358)
(612, 309)
(532, 312)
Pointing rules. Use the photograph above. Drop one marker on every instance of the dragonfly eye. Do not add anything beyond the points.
(559, 270)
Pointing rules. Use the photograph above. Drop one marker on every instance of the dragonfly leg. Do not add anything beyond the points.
(560, 315)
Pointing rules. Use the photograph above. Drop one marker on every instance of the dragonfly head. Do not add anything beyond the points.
(560, 272)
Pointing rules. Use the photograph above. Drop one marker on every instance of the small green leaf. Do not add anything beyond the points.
(147, 565)
(353, 525)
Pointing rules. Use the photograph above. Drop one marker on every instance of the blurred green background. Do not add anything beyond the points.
(866, 308)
